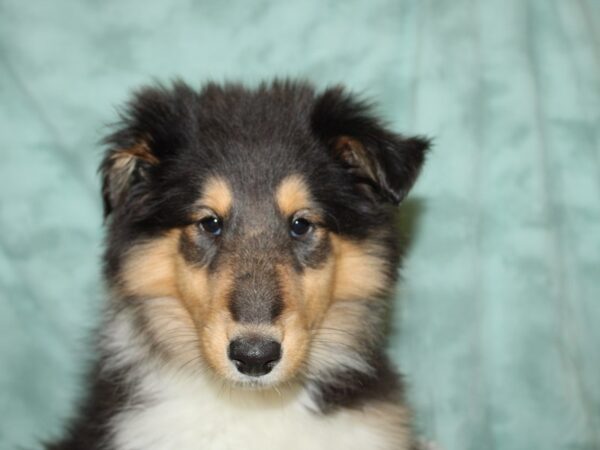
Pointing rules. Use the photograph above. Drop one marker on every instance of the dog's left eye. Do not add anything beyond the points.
(299, 227)
(212, 225)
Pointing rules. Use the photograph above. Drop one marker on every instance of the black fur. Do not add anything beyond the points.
(88, 431)
(352, 389)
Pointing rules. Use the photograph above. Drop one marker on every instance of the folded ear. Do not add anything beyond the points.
(123, 169)
(385, 163)
(148, 131)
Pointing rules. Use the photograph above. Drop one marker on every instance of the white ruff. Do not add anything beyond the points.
(178, 412)
(186, 417)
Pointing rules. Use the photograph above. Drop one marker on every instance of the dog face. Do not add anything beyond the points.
(250, 231)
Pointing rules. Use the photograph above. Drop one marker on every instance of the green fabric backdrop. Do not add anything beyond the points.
(496, 324)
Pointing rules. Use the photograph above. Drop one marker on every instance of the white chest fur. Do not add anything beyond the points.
(181, 415)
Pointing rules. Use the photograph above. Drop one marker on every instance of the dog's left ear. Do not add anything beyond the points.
(386, 162)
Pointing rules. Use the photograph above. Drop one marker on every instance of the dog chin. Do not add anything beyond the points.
(251, 383)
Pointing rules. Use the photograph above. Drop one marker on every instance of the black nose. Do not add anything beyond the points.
(254, 356)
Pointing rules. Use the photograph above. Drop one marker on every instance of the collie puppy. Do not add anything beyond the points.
(250, 255)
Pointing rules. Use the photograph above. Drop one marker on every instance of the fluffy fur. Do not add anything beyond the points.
(259, 215)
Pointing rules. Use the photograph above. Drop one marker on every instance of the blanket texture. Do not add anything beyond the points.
(496, 318)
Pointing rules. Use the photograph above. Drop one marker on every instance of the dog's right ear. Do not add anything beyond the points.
(147, 133)
(123, 168)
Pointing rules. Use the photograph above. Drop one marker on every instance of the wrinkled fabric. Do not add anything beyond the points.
(495, 322)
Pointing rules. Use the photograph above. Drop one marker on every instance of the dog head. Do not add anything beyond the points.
(250, 231)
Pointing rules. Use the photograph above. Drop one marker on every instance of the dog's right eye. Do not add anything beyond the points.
(211, 225)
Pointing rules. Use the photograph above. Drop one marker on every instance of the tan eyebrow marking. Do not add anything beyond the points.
(292, 195)
(217, 195)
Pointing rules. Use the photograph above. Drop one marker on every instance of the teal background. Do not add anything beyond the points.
(496, 325)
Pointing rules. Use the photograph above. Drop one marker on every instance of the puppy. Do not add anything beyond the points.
(250, 255)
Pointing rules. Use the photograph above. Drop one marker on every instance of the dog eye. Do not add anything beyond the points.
(212, 225)
(299, 227)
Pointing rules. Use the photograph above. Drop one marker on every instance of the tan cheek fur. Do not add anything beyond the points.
(179, 303)
(335, 304)
(324, 300)
(360, 273)
(318, 289)
(152, 274)
(149, 268)
(353, 272)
